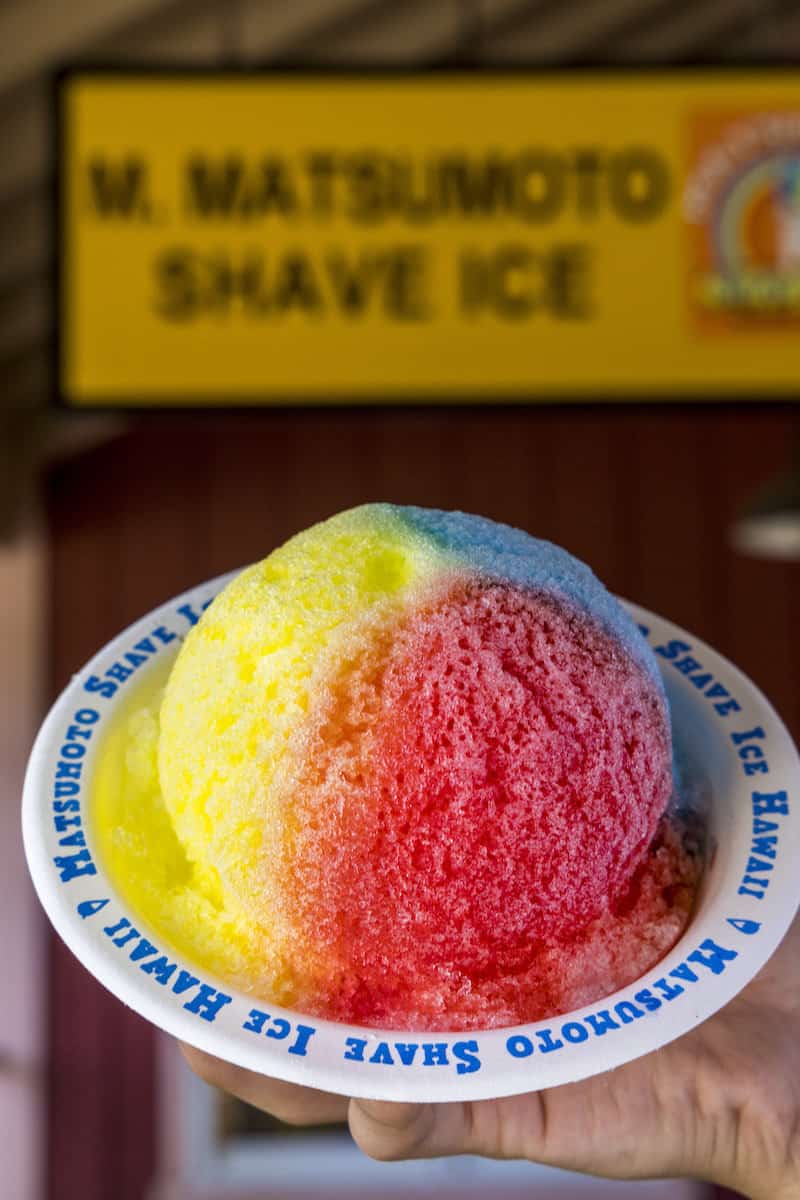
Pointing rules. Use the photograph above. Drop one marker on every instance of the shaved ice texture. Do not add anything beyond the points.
(416, 771)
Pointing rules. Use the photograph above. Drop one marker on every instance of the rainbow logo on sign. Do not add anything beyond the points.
(742, 204)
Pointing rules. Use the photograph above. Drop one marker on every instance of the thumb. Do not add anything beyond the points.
(513, 1127)
(389, 1131)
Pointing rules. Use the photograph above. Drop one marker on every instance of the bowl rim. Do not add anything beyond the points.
(365, 1062)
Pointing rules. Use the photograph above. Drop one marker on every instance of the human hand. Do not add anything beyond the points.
(720, 1104)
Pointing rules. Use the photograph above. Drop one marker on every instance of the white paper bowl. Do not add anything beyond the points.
(747, 901)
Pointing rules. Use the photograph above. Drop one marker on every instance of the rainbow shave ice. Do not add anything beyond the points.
(413, 770)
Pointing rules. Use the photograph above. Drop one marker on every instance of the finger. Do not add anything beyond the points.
(288, 1102)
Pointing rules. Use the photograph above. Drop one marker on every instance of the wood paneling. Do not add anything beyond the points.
(417, 31)
(551, 30)
(35, 33)
(679, 29)
(25, 138)
(270, 32)
(25, 238)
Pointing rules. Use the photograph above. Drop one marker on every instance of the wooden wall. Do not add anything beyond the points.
(644, 494)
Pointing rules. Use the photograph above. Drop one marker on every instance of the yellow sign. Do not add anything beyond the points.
(265, 237)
